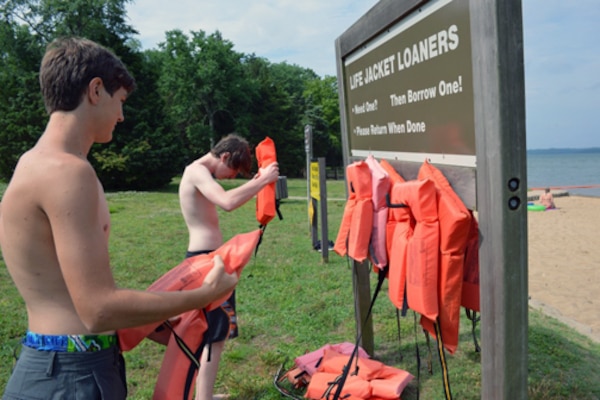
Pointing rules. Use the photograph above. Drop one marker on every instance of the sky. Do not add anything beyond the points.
(561, 49)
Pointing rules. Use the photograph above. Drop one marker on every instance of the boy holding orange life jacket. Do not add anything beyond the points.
(55, 225)
(199, 196)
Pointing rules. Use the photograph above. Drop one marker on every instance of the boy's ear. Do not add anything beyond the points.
(94, 88)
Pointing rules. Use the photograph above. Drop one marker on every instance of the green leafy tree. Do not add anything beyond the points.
(22, 114)
(142, 154)
(192, 90)
(323, 113)
(276, 111)
(204, 88)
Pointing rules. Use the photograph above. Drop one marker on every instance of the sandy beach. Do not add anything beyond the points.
(564, 262)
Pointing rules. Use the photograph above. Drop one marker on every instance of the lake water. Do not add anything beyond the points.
(565, 167)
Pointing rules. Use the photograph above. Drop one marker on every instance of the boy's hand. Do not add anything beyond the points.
(219, 281)
(270, 173)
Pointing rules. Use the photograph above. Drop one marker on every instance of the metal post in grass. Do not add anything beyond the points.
(318, 193)
(315, 195)
(323, 201)
(308, 150)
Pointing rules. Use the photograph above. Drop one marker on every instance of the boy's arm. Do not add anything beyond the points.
(231, 199)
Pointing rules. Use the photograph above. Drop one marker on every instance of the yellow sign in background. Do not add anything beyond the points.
(315, 189)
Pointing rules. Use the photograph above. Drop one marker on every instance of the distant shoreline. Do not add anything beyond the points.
(583, 150)
(566, 187)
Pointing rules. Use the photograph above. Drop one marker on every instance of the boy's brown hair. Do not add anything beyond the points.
(240, 157)
(68, 66)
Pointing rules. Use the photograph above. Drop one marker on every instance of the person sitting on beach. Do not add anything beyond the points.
(546, 199)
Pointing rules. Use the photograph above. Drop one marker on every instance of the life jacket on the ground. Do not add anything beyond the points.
(320, 387)
(381, 188)
(454, 222)
(309, 362)
(369, 380)
(180, 363)
(390, 383)
(355, 230)
(266, 206)
(305, 366)
(415, 247)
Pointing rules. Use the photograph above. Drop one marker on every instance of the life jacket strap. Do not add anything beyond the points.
(442, 355)
(389, 203)
(182, 345)
(399, 334)
(430, 357)
(405, 301)
(278, 377)
(472, 315)
(260, 238)
(277, 209)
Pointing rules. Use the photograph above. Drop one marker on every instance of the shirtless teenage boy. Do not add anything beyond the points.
(55, 226)
(199, 196)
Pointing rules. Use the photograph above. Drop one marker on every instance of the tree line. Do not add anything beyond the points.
(193, 89)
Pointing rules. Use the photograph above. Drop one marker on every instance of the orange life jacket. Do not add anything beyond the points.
(372, 380)
(390, 383)
(266, 199)
(414, 251)
(355, 230)
(457, 232)
(395, 214)
(394, 176)
(305, 366)
(381, 188)
(335, 362)
(320, 387)
(470, 287)
(400, 228)
(341, 243)
(178, 372)
(454, 221)
(308, 362)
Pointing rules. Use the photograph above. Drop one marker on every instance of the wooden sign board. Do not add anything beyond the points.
(443, 81)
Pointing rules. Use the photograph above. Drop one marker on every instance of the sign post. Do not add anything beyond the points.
(308, 150)
(315, 195)
(318, 192)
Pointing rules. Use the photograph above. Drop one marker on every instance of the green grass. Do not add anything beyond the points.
(291, 302)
